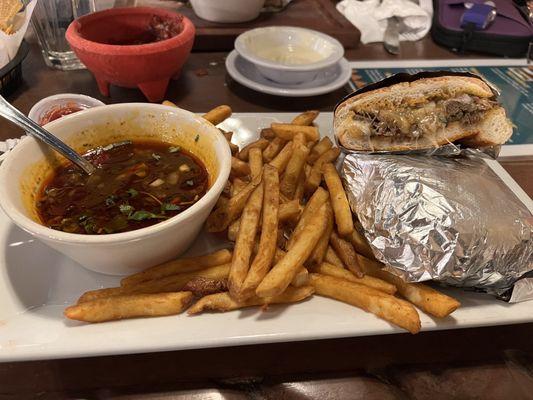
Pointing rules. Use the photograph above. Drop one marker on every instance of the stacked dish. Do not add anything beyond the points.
(288, 61)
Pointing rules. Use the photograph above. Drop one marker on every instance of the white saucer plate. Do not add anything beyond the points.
(248, 75)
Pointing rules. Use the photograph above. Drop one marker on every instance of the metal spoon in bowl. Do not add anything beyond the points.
(12, 114)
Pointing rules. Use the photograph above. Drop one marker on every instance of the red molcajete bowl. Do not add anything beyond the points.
(100, 40)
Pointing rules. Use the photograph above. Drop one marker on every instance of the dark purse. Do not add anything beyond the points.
(509, 35)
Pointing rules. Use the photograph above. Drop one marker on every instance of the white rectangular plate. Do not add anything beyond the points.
(36, 283)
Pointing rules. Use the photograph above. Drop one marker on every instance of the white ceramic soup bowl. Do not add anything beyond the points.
(30, 163)
(289, 55)
(227, 11)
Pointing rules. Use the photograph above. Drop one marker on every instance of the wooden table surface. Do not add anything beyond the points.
(481, 363)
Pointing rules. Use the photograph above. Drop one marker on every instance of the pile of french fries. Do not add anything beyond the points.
(294, 235)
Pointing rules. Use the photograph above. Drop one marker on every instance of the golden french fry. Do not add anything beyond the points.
(169, 103)
(220, 219)
(172, 283)
(236, 186)
(299, 140)
(224, 302)
(339, 201)
(239, 168)
(318, 149)
(396, 311)
(424, 297)
(173, 267)
(347, 254)
(227, 135)
(255, 159)
(281, 275)
(342, 273)
(333, 258)
(289, 211)
(260, 144)
(301, 278)
(130, 306)
(293, 171)
(267, 242)
(282, 159)
(287, 131)
(233, 230)
(305, 118)
(319, 252)
(273, 149)
(315, 176)
(267, 133)
(360, 244)
(300, 185)
(222, 201)
(244, 243)
(218, 114)
(311, 208)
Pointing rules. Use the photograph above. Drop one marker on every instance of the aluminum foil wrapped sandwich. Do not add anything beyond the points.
(431, 214)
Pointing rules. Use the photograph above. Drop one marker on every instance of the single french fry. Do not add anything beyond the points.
(222, 201)
(396, 311)
(233, 230)
(299, 140)
(315, 176)
(424, 297)
(301, 278)
(318, 149)
(319, 252)
(260, 144)
(305, 118)
(236, 186)
(173, 267)
(255, 159)
(293, 171)
(289, 211)
(224, 302)
(130, 306)
(282, 159)
(168, 103)
(281, 275)
(287, 131)
(273, 149)
(172, 283)
(333, 258)
(347, 254)
(239, 168)
(227, 135)
(339, 201)
(267, 242)
(218, 114)
(311, 208)
(220, 219)
(342, 273)
(300, 185)
(244, 243)
(267, 133)
(360, 244)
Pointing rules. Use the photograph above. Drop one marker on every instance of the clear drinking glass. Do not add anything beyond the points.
(50, 21)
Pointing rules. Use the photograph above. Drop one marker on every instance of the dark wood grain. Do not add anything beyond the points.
(319, 15)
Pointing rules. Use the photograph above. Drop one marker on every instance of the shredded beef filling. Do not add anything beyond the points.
(432, 116)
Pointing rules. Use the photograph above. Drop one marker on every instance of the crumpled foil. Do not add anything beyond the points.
(450, 219)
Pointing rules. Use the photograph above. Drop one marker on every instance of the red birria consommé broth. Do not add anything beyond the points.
(136, 184)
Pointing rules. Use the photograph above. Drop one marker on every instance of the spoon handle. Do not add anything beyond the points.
(12, 114)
